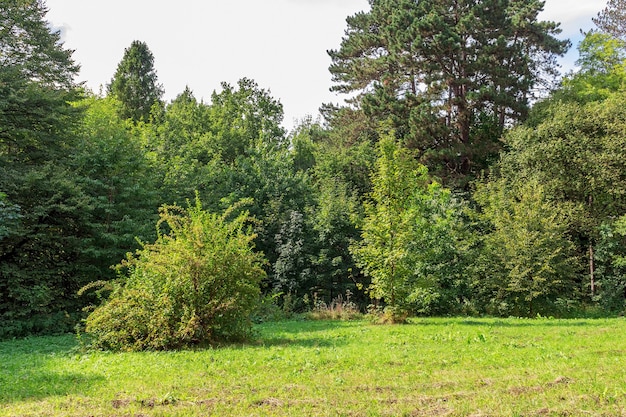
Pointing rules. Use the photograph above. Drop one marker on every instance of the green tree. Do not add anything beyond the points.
(408, 244)
(38, 278)
(135, 83)
(334, 219)
(449, 74)
(602, 70)
(197, 284)
(119, 183)
(231, 149)
(243, 117)
(610, 256)
(528, 264)
(577, 153)
(30, 51)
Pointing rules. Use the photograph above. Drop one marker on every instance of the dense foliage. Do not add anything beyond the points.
(42, 205)
(197, 284)
(135, 83)
(449, 74)
(437, 189)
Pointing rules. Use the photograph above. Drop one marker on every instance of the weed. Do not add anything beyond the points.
(338, 309)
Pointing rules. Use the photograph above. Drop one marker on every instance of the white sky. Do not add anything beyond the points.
(281, 44)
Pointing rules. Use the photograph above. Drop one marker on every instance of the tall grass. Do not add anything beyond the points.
(430, 367)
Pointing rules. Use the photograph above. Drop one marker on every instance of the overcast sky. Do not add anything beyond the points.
(281, 44)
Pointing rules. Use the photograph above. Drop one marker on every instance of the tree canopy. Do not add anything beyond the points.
(458, 179)
(135, 82)
(450, 74)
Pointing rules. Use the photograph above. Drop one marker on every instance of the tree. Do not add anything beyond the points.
(612, 19)
(135, 83)
(38, 279)
(29, 49)
(334, 218)
(243, 117)
(610, 257)
(576, 152)
(231, 149)
(528, 263)
(602, 70)
(408, 245)
(449, 74)
(119, 184)
(196, 285)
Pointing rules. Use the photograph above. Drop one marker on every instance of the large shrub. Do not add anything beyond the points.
(197, 284)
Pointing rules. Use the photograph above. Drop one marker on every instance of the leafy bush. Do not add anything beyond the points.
(197, 284)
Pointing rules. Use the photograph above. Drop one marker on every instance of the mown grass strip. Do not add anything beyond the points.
(431, 367)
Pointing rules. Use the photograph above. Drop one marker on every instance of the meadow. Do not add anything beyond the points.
(430, 367)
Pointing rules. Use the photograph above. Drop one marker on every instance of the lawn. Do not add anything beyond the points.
(431, 367)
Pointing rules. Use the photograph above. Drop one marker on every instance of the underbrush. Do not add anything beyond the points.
(338, 309)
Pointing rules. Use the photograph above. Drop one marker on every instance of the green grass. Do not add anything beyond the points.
(431, 367)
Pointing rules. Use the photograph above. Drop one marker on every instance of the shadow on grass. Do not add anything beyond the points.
(30, 370)
(303, 333)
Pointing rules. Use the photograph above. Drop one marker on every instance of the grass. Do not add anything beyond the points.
(431, 367)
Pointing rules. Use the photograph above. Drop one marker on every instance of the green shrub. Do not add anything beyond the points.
(197, 284)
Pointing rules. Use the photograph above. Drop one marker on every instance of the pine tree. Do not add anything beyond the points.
(612, 19)
(449, 74)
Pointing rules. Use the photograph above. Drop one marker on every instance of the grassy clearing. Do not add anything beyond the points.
(431, 367)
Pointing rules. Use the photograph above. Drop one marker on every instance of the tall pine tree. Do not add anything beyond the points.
(450, 74)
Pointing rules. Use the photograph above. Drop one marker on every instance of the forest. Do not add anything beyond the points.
(464, 176)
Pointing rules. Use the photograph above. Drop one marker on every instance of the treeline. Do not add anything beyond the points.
(438, 189)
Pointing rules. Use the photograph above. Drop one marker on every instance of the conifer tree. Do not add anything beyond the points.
(135, 83)
(40, 237)
(450, 74)
(612, 19)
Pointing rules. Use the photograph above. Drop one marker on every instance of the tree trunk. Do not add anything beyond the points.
(592, 272)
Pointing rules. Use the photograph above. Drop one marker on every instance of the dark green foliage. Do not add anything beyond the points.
(197, 284)
(334, 222)
(610, 263)
(135, 83)
(120, 184)
(9, 217)
(39, 247)
(28, 47)
(450, 75)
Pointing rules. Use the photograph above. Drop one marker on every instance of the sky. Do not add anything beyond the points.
(281, 44)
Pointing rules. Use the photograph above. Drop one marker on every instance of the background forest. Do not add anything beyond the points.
(463, 175)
